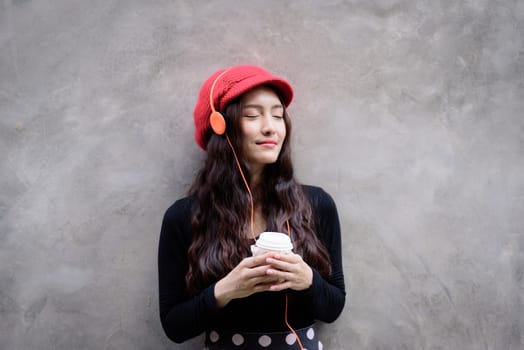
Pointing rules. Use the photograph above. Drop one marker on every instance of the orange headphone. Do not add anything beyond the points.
(218, 125)
(216, 119)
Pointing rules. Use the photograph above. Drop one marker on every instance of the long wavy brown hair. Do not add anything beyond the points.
(221, 211)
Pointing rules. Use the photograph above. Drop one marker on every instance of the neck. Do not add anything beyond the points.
(255, 175)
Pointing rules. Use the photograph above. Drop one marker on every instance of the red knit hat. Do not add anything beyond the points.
(233, 83)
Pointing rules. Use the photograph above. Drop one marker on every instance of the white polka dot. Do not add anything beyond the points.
(291, 339)
(237, 339)
(264, 341)
(213, 336)
(310, 333)
(320, 345)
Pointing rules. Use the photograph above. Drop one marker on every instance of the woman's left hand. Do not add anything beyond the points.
(293, 272)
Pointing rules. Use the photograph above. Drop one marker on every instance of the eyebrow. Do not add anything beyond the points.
(261, 107)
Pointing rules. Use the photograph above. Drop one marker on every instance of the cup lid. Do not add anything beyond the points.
(274, 241)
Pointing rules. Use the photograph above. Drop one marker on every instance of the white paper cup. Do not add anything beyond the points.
(272, 242)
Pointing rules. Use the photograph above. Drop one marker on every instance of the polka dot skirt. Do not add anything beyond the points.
(225, 340)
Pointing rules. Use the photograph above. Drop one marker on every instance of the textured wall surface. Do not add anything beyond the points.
(410, 113)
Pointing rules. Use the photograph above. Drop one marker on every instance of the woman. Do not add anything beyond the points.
(208, 280)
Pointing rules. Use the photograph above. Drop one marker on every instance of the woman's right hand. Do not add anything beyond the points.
(248, 277)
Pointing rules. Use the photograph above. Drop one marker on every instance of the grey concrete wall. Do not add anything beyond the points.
(410, 113)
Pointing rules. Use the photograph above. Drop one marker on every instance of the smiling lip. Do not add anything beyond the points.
(267, 143)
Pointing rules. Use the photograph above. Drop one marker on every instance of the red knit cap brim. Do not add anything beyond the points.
(232, 84)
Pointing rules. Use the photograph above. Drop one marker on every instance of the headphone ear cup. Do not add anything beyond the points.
(217, 122)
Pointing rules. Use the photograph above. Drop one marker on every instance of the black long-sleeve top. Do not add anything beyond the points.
(184, 316)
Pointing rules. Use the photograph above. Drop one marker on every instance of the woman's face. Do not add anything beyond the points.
(262, 127)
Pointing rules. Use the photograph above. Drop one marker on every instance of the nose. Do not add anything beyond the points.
(268, 124)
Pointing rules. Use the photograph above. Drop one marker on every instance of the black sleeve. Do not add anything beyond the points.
(327, 295)
(182, 316)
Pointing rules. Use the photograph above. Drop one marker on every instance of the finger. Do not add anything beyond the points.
(282, 265)
(290, 258)
(258, 284)
(253, 261)
(280, 286)
(257, 271)
(281, 275)
(268, 280)
(262, 287)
